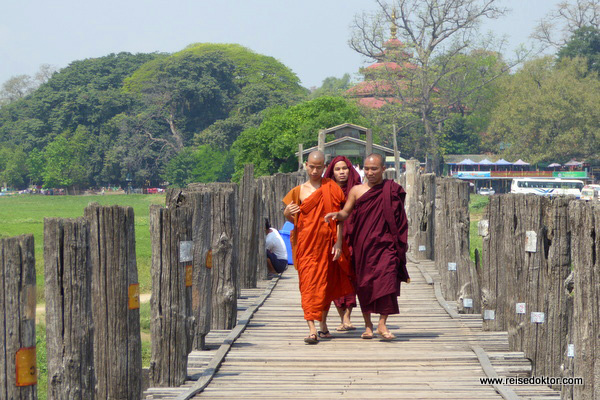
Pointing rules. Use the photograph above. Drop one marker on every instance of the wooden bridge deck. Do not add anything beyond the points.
(434, 356)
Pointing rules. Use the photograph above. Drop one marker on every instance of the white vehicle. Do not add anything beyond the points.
(590, 192)
(547, 186)
(484, 191)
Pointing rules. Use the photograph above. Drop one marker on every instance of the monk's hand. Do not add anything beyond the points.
(291, 209)
(336, 250)
(331, 216)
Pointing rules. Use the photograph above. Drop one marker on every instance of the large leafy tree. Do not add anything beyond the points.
(271, 146)
(202, 164)
(549, 112)
(585, 42)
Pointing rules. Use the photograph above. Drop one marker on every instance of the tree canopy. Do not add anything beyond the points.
(271, 146)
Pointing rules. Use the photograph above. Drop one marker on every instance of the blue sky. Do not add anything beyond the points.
(309, 36)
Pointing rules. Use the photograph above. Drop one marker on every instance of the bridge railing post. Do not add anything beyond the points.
(69, 324)
(115, 309)
(18, 368)
(172, 324)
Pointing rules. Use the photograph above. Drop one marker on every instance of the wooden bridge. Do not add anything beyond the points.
(437, 354)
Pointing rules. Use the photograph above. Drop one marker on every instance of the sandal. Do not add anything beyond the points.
(325, 335)
(386, 336)
(311, 339)
(366, 335)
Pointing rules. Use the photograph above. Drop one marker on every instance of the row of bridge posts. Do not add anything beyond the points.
(207, 244)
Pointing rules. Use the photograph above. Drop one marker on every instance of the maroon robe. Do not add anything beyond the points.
(349, 300)
(379, 242)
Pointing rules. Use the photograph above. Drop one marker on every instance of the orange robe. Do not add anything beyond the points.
(321, 278)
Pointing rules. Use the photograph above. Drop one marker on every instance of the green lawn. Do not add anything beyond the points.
(25, 214)
(477, 204)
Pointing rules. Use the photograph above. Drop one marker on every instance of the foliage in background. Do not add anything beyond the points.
(550, 112)
(271, 146)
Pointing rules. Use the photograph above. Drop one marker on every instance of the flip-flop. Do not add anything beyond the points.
(349, 327)
(325, 335)
(386, 336)
(366, 335)
(342, 328)
(311, 339)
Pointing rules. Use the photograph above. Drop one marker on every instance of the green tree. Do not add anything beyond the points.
(272, 145)
(13, 169)
(202, 164)
(585, 42)
(333, 86)
(549, 112)
(65, 161)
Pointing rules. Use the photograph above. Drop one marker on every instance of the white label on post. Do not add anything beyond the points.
(467, 303)
(451, 266)
(422, 248)
(489, 314)
(531, 241)
(537, 317)
(185, 251)
(571, 350)
(483, 227)
(521, 307)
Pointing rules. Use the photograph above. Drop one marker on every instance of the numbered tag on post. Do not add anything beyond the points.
(186, 253)
(26, 368)
(537, 317)
(451, 266)
(134, 296)
(521, 308)
(467, 303)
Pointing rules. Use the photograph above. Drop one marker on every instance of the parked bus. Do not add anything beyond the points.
(547, 187)
(590, 192)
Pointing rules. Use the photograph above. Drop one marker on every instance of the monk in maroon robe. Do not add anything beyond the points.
(343, 173)
(379, 244)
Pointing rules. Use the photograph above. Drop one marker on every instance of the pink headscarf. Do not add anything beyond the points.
(353, 176)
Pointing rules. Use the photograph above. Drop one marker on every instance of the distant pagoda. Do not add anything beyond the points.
(386, 76)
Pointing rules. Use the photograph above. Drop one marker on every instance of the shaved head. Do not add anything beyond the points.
(376, 158)
(316, 156)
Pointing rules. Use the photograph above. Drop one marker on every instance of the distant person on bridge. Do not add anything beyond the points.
(276, 252)
(316, 247)
(343, 172)
(379, 244)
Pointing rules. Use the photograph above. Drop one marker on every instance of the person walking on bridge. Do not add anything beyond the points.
(379, 244)
(344, 174)
(316, 247)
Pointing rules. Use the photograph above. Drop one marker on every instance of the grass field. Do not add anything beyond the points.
(25, 214)
(477, 204)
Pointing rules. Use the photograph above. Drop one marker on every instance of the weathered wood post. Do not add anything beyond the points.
(18, 368)
(69, 324)
(452, 257)
(115, 309)
(172, 324)
(199, 197)
(261, 259)
(249, 218)
(423, 214)
(225, 257)
(585, 223)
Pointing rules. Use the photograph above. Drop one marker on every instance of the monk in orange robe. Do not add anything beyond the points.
(316, 246)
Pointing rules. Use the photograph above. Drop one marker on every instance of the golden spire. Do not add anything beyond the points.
(393, 28)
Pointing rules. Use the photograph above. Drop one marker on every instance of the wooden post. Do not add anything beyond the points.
(423, 211)
(115, 309)
(369, 145)
(249, 228)
(225, 257)
(585, 224)
(172, 324)
(396, 154)
(18, 368)
(300, 157)
(69, 324)
(321, 141)
(452, 256)
(410, 184)
(261, 252)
